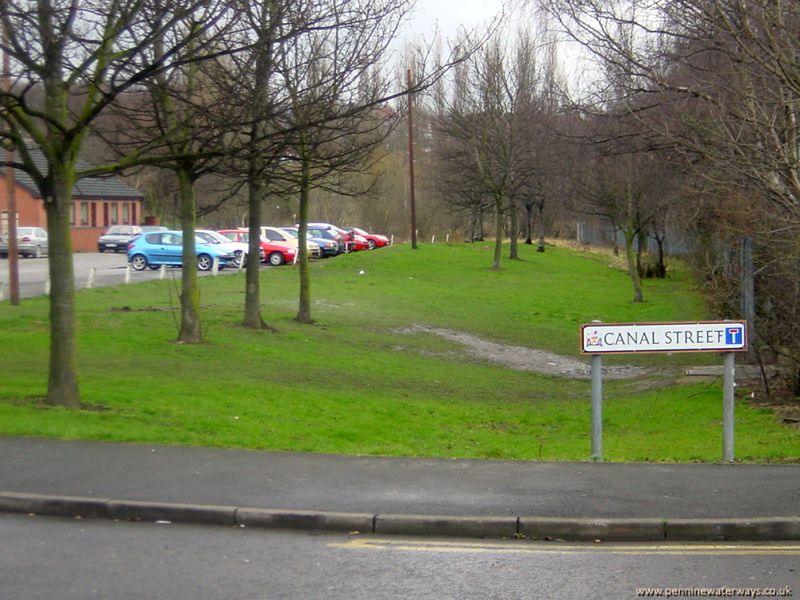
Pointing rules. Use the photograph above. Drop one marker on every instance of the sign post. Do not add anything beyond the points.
(633, 338)
(597, 407)
(728, 387)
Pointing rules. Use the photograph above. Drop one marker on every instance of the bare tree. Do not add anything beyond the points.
(79, 59)
(333, 81)
(483, 117)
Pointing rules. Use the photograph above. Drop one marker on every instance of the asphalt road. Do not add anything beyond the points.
(55, 558)
(91, 268)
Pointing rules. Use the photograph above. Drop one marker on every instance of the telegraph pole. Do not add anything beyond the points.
(411, 161)
(13, 259)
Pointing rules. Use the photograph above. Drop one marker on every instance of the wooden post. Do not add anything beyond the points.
(412, 193)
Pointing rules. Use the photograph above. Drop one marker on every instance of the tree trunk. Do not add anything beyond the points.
(498, 233)
(540, 247)
(529, 223)
(641, 239)
(190, 332)
(661, 268)
(304, 307)
(62, 387)
(252, 294)
(513, 253)
(630, 253)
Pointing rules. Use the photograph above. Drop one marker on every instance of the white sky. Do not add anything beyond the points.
(449, 15)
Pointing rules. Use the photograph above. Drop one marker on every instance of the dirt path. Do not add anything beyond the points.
(526, 359)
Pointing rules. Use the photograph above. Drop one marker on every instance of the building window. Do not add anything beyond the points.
(72, 215)
(126, 213)
(114, 213)
(84, 214)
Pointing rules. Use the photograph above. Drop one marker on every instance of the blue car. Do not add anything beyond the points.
(166, 248)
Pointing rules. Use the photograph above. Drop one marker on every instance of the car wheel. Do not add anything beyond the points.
(101, 249)
(239, 258)
(155, 267)
(138, 262)
(276, 259)
(371, 244)
(205, 262)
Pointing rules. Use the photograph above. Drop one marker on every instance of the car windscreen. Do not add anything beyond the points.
(206, 238)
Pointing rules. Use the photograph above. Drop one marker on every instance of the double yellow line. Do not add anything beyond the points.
(530, 547)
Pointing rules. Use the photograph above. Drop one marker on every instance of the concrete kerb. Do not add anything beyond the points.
(449, 526)
(305, 519)
(539, 528)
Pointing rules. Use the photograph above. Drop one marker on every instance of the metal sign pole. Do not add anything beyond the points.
(728, 387)
(597, 407)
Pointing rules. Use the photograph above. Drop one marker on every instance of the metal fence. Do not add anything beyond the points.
(603, 234)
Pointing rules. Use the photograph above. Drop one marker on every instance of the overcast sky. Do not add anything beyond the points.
(449, 15)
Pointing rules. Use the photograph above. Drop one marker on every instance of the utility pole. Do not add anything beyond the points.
(11, 204)
(411, 161)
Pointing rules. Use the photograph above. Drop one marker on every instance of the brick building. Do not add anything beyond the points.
(97, 203)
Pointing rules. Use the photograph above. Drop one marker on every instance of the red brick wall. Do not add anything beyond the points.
(91, 216)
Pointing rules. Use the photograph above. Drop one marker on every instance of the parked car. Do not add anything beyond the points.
(239, 249)
(166, 248)
(117, 238)
(344, 237)
(274, 254)
(327, 247)
(328, 236)
(358, 242)
(352, 241)
(280, 236)
(31, 241)
(374, 240)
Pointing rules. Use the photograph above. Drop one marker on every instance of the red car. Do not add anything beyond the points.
(374, 240)
(273, 254)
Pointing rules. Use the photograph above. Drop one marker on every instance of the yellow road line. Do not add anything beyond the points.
(527, 547)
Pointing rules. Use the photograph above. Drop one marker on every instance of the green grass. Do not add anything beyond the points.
(355, 383)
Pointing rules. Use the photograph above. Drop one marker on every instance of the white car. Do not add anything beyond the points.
(238, 249)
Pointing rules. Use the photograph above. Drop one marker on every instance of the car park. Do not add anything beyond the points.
(327, 235)
(166, 248)
(344, 237)
(281, 236)
(239, 249)
(31, 241)
(374, 240)
(327, 247)
(117, 238)
(271, 253)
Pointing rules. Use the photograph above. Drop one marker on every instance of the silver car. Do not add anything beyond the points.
(31, 241)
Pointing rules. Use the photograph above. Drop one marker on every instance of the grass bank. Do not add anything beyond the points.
(358, 382)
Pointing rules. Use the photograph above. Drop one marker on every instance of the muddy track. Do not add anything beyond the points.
(525, 359)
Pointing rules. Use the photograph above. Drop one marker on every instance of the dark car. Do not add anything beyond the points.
(117, 238)
(331, 244)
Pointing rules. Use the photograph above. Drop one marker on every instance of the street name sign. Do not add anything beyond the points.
(628, 338)
(600, 338)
